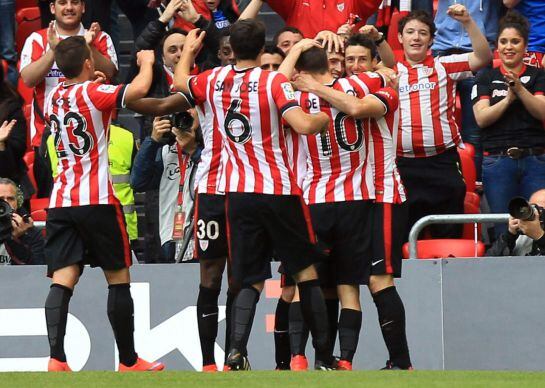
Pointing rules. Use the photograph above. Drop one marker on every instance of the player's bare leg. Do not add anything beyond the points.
(121, 316)
(391, 315)
(349, 323)
(56, 313)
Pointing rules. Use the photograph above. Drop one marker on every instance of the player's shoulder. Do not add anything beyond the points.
(39, 37)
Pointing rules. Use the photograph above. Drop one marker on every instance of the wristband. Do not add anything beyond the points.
(380, 40)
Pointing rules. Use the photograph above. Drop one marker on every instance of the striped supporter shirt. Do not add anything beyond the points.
(35, 47)
(427, 96)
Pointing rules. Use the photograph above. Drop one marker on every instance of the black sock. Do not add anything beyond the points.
(333, 319)
(228, 318)
(121, 315)
(298, 330)
(243, 317)
(207, 321)
(349, 333)
(56, 314)
(281, 335)
(315, 315)
(391, 316)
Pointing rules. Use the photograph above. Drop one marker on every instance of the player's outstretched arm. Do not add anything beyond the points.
(351, 105)
(304, 123)
(481, 55)
(140, 85)
(251, 10)
(192, 46)
(160, 106)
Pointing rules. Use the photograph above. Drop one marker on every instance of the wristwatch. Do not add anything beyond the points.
(380, 39)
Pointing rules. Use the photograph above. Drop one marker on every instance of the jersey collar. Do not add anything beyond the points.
(504, 71)
(428, 61)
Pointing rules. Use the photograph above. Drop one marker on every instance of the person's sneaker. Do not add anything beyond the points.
(210, 368)
(237, 361)
(344, 365)
(142, 366)
(391, 366)
(298, 363)
(55, 365)
(320, 365)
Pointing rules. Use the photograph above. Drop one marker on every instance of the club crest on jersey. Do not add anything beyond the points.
(107, 88)
(203, 244)
(288, 90)
(340, 7)
(427, 71)
(525, 79)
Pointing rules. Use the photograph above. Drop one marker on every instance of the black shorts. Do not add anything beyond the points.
(326, 274)
(389, 224)
(260, 224)
(345, 229)
(95, 235)
(210, 227)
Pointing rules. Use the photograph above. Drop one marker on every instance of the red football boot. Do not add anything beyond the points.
(299, 363)
(55, 365)
(142, 366)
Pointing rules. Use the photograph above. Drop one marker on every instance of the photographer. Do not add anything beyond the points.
(523, 238)
(167, 161)
(20, 241)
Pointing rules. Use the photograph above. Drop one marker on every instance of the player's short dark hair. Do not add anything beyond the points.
(362, 40)
(422, 17)
(272, 50)
(314, 60)
(172, 31)
(294, 30)
(513, 19)
(70, 55)
(53, 1)
(247, 38)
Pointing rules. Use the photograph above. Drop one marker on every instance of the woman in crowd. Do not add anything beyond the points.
(509, 106)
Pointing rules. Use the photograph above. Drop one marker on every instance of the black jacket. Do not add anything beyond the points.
(27, 249)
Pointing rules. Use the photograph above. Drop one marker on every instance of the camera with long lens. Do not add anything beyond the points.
(6, 228)
(521, 209)
(181, 120)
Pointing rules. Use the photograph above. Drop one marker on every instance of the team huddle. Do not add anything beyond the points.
(305, 177)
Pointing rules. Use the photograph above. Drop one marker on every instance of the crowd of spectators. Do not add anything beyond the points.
(501, 100)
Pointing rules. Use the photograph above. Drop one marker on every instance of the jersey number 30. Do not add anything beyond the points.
(74, 125)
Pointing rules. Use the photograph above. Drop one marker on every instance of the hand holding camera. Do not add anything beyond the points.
(526, 218)
(164, 127)
(20, 225)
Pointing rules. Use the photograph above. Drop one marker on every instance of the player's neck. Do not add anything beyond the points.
(246, 64)
(83, 77)
(324, 79)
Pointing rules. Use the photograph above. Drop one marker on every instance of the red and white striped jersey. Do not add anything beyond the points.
(35, 47)
(246, 107)
(381, 156)
(297, 155)
(80, 116)
(336, 159)
(427, 96)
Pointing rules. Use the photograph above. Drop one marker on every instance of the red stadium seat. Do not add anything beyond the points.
(445, 248)
(39, 204)
(39, 215)
(20, 4)
(469, 171)
(26, 112)
(28, 21)
(392, 39)
(472, 204)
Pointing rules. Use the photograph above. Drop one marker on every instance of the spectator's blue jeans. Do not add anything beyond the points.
(505, 178)
(7, 38)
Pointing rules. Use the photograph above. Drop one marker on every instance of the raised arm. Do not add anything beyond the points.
(35, 72)
(351, 105)
(481, 55)
(251, 10)
(140, 85)
(288, 64)
(383, 47)
(160, 106)
(193, 44)
(101, 62)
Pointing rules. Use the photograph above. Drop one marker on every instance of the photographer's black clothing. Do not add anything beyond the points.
(516, 245)
(27, 249)
(516, 127)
